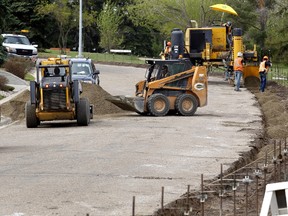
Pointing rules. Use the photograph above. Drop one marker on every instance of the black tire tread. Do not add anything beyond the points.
(179, 108)
(150, 104)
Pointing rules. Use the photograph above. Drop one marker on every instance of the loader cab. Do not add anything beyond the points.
(157, 68)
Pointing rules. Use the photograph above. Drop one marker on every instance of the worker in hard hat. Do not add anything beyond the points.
(238, 70)
(263, 70)
(228, 26)
(167, 51)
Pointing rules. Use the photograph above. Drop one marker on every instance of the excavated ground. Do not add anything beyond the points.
(273, 102)
(274, 106)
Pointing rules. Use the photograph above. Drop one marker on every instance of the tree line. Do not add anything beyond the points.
(142, 25)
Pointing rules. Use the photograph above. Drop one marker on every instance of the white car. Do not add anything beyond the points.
(19, 46)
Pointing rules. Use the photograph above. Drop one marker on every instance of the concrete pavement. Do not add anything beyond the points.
(64, 170)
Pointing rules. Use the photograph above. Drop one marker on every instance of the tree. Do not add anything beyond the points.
(66, 14)
(168, 14)
(108, 22)
(277, 36)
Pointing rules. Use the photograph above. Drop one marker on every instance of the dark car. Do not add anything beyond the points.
(83, 69)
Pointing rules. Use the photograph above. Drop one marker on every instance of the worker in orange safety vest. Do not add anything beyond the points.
(167, 51)
(263, 70)
(238, 70)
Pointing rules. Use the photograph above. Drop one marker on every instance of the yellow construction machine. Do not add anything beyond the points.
(210, 46)
(55, 96)
(182, 90)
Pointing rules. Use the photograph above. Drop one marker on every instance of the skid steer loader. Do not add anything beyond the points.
(54, 96)
(182, 91)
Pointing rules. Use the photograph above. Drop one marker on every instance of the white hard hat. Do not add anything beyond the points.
(239, 54)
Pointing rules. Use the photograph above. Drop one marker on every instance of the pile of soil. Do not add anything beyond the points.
(97, 96)
(15, 108)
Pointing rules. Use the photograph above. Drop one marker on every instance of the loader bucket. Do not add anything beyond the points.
(251, 76)
(135, 104)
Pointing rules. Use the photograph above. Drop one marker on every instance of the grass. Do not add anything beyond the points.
(98, 57)
(279, 73)
(29, 77)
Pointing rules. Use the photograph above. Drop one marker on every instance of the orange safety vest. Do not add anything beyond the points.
(238, 66)
(262, 67)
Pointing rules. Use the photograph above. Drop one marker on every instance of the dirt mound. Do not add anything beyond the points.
(15, 108)
(96, 95)
(273, 103)
(251, 82)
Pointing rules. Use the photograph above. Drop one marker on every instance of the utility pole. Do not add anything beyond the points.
(80, 29)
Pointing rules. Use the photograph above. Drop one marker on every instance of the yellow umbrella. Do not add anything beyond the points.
(224, 8)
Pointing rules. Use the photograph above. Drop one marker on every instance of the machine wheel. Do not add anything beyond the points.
(97, 80)
(158, 105)
(186, 104)
(31, 119)
(83, 112)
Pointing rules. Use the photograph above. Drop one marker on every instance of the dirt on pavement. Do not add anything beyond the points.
(273, 103)
(15, 108)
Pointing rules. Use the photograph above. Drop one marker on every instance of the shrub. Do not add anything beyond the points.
(3, 53)
(18, 66)
(3, 82)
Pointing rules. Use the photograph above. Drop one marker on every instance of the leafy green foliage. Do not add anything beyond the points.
(109, 21)
(142, 25)
(66, 15)
(3, 54)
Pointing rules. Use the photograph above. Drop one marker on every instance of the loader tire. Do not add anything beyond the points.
(30, 113)
(158, 105)
(186, 104)
(83, 112)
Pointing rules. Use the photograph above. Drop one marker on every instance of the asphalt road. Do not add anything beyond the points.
(63, 169)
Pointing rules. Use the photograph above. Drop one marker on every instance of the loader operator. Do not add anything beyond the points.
(263, 70)
(167, 51)
(56, 71)
(164, 72)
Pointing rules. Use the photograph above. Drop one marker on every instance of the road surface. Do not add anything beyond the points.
(63, 169)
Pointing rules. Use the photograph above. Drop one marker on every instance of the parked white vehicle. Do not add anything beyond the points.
(19, 46)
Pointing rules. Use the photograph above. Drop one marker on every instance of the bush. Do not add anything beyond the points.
(3, 82)
(3, 53)
(18, 66)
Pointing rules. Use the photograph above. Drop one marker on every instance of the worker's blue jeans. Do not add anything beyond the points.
(238, 75)
(263, 79)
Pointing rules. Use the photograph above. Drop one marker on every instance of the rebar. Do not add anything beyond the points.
(202, 193)
(265, 169)
(221, 189)
(162, 199)
(187, 200)
(280, 160)
(274, 160)
(257, 175)
(285, 152)
(133, 206)
(234, 188)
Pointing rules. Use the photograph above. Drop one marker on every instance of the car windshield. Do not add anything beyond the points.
(16, 40)
(80, 68)
(50, 72)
